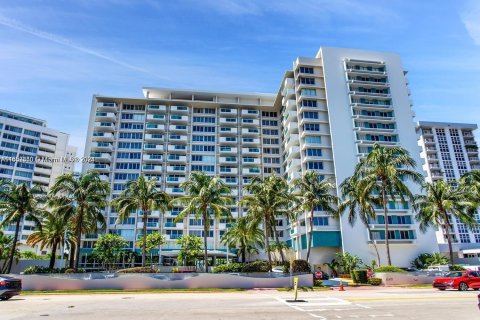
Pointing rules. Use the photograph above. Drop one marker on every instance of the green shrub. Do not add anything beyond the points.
(456, 267)
(354, 277)
(40, 269)
(360, 276)
(67, 271)
(231, 267)
(317, 283)
(301, 266)
(139, 270)
(256, 266)
(389, 269)
(375, 281)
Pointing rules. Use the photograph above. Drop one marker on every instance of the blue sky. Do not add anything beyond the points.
(55, 54)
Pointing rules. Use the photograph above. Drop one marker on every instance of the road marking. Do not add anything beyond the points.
(317, 316)
(362, 306)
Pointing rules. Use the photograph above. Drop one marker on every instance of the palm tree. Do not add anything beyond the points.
(383, 171)
(471, 180)
(141, 194)
(440, 203)
(16, 203)
(6, 243)
(242, 234)
(52, 234)
(313, 192)
(206, 197)
(269, 197)
(360, 204)
(80, 198)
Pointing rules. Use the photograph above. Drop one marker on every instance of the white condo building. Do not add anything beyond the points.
(449, 151)
(42, 152)
(328, 113)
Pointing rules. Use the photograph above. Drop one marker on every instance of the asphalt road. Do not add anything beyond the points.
(387, 303)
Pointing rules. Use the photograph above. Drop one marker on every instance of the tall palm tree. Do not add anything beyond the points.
(440, 203)
(383, 171)
(16, 203)
(313, 192)
(54, 233)
(242, 235)
(80, 198)
(206, 197)
(6, 244)
(269, 197)
(360, 204)
(141, 194)
(471, 180)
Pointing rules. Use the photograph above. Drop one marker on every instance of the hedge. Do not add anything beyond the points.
(359, 276)
(375, 281)
(389, 269)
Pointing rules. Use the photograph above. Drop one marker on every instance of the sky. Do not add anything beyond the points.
(56, 54)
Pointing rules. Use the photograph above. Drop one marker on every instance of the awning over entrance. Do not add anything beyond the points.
(467, 251)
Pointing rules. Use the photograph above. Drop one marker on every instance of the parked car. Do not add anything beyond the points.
(9, 287)
(460, 280)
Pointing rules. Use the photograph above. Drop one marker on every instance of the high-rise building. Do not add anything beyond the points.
(450, 151)
(328, 113)
(32, 153)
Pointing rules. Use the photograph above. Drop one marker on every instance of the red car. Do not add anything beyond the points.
(460, 280)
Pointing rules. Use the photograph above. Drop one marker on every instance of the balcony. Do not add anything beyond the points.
(251, 161)
(151, 167)
(48, 139)
(102, 146)
(226, 140)
(470, 142)
(228, 111)
(365, 70)
(250, 131)
(290, 104)
(157, 158)
(431, 149)
(104, 126)
(107, 106)
(50, 147)
(251, 151)
(43, 171)
(175, 118)
(426, 132)
(177, 148)
(230, 182)
(249, 113)
(176, 169)
(150, 147)
(105, 116)
(176, 158)
(292, 139)
(101, 167)
(177, 128)
(473, 159)
(228, 150)
(250, 122)
(228, 121)
(173, 179)
(104, 177)
(250, 141)
(179, 109)
(251, 171)
(154, 127)
(228, 160)
(156, 108)
(155, 117)
(175, 191)
(101, 157)
(153, 137)
(292, 127)
(41, 180)
(472, 150)
(467, 134)
(369, 94)
(177, 138)
(228, 131)
(102, 136)
(293, 151)
(228, 170)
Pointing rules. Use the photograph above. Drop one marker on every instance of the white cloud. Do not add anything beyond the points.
(471, 20)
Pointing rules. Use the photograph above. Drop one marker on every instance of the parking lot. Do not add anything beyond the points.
(381, 303)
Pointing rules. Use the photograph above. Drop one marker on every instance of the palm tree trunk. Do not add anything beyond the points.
(243, 250)
(52, 257)
(267, 242)
(161, 233)
(449, 239)
(79, 237)
(144, 240)
(373, 241)
(279, 246)
(385, 215)
(14, 245)
(310, 236)
(205, 234)
(71, 256)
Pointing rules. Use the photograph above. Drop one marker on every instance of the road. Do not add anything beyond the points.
(382, 303)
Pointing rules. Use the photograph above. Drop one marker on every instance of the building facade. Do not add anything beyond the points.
(449, 151)
(32, 153)
(327, 114)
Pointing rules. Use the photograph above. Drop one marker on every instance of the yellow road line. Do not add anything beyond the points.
(409, 298)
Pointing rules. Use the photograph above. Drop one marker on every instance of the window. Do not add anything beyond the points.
(313, 139)
(307, 80)
(269, 114)
(203, 129)
(271, 123)
(9, 145)
(132, 126)
(31, 133)
(271, 132)
(204, 119)
(129, 155)
(308, 70)
(203, 168)
(320, 221)
(313, 152)
(314, 165)
(309, 103)
(135, 107)
(13, 129)
(133, 116)
(311, 115)
(270, 141)
(131, 135)
(203, 138)
(126, 176)
(311, 127)
(130, 145)
(203, 148)
(308, 92)
(127, 166)
(11, 137)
